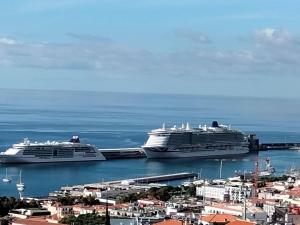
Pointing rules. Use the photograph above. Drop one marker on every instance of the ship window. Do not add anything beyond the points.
(55, 152)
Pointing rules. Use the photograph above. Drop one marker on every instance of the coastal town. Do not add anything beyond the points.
(244, 199)
(130, 112)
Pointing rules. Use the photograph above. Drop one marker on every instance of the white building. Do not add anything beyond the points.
(252, 212)
(222, 192)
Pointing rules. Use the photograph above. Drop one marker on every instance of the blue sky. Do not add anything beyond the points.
(238, 48)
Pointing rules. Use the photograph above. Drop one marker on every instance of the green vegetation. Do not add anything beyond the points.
(273, 179)
(84, 219)
(263, 181)
(70, 200)
(5, 221)
(6, 204)
(162, 193)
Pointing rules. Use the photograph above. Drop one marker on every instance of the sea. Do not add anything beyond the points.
(115, 120)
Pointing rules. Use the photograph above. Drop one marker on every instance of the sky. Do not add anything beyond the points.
(211, 47)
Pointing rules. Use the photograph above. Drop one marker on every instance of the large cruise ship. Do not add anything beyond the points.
(203, 141)
(70, 151)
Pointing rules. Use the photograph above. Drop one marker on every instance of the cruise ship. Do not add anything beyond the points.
(69, 151)
(203, 141)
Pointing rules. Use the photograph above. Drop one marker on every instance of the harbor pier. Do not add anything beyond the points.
(138, 180)
(279, 146)
(122, 153)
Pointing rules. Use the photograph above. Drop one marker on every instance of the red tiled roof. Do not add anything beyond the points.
(33, 221)
(240, 222)
(170, 222)
(218, 218)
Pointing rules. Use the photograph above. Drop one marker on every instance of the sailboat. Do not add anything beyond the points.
(6, 179)
(20, 186)
(220, 180)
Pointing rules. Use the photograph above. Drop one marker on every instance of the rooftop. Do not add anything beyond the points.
(241, 222)
(218, 218)
(170, 222)
(33, 221)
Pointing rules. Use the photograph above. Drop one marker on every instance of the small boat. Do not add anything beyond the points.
(6, 179)
(20, 185)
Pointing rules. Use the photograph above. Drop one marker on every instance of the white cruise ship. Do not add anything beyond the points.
(215, 141)
(71, 151)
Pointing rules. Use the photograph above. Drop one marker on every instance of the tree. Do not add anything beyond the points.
(107, 217)
(7, 204)
(84, 219)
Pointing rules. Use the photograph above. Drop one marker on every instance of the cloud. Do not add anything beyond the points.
(271, 35)
(193, 36)
(88, 38)
(102, 55)
(273, 52)
(8, 41)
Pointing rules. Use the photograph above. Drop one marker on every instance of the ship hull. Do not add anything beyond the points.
(156, 153)
(10, 159)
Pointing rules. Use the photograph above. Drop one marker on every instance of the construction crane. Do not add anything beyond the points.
(255, 178)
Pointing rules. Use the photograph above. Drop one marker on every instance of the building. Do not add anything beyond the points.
(220, 219)
(252, 212)
(223, 192)
(171, 222)
(241, 222)
(33, 221)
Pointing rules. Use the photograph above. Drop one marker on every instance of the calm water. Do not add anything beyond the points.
(110, 120)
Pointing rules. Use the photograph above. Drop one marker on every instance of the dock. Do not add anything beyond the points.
(167, 177)
(154, 179)
(279, 146)
(123, 153)
(136, 181)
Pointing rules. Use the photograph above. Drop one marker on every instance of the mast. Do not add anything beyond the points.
(20, 186)
(221, 167)
(20, 177)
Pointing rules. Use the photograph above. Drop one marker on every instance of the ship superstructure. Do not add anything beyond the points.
(203, 141)
(34, 152)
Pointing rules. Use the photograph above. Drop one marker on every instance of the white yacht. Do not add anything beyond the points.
(203, 141)
(70, 151)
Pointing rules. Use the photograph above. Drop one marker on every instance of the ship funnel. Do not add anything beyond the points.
(182, 126)
(187, 126)
(163, 126)
(205, 127)
(215, 124)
